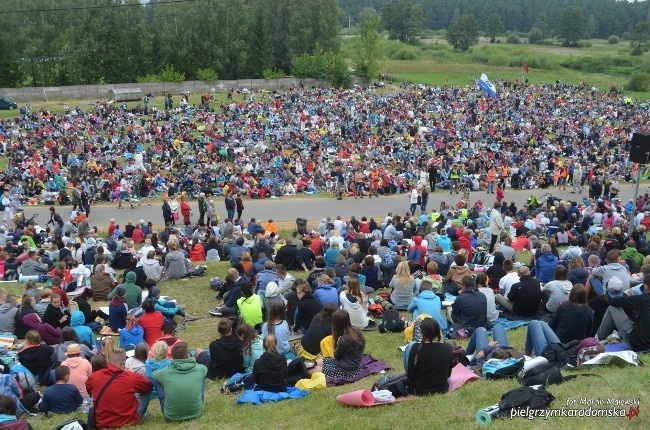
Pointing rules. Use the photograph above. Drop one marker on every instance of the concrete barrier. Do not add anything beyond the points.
(95, 92)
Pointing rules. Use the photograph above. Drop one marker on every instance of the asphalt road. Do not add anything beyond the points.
(311, 208)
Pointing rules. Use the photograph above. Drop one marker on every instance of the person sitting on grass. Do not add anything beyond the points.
(80, 370)
(308, 306)
(61, 398)
(349, 345)
(136, 363)
(250, 306)
(403, 286)
(132, 334)
(319, 329)
(270, 371)
(277, 325)
(182, 385)
(252, 345)
(224, 357)
(168, 308)
(157, 360)
(117, 310)
(9, 412)
(429, 363)
(427, 302)
(354, 302)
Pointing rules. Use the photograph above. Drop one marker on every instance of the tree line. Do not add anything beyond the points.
(70, 42)
(602, 18)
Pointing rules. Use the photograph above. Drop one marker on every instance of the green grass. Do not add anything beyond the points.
(320, 410)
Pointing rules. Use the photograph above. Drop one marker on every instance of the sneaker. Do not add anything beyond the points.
(614, 338)
(149, 206)
(190, 318)
(216, 313)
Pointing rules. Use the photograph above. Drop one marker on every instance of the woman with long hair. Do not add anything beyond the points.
(354, 302)
(252, 347)
(277, 325)
(429, 363)
(319, 329)
(349, 345)
(403, 286)
(557, 290)
(573, 319)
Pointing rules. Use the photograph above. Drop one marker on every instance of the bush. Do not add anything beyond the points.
(613, 39)
(638, 82)
(406, 54)
(513, 39)
(272, 74)
(206, 75)
(168, 74)
(536, 35)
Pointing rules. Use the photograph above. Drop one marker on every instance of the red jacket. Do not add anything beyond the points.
(138, 235)
(197, 253)
(151, 323)
(118, 406)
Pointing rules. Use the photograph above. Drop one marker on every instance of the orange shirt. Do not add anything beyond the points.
(491, 175)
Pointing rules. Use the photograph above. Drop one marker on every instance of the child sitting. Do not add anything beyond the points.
(61, 398)
(136, 363)
(168, 308)
(131, 335)
(270, 371)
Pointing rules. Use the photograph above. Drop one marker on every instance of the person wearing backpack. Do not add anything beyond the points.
(428, 364)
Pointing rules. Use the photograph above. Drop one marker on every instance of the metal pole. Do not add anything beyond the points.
(636, 195)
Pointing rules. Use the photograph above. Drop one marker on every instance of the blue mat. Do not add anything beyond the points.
(509, 324)
(258, 397)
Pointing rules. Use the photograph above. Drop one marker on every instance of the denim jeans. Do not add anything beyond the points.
(407, 351)
(539, 336)
(615, 318)
(143, 404)
(480, 339)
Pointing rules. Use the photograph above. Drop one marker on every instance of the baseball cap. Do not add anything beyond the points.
(615, 287)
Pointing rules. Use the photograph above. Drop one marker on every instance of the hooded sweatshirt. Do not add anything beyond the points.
(545, 267)
(250, 357)
(80, 370)
(84, 333)
(152, 268)
(175, 265)
(101, 284)
(129, 339)
(349, 303)
(559, 293)
(133, 292)
(49, 334)
(325, 294)
(8, 314)
(445, 242)
(417, 246)
(270, 372)
(226, 357)
(427, 302)
(633, 254)
(150, 366)
(183, 381)
(457, 273)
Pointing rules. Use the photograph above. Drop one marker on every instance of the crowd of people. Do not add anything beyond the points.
(358, 142)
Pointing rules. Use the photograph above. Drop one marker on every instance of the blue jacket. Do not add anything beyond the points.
(545, 267)
(327, 294)
(161, 306)
(445, 242)
(263, 278)
(428, 303)
(131, 339)
(84, 333)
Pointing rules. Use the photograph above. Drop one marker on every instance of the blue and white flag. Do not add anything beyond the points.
(487, 86)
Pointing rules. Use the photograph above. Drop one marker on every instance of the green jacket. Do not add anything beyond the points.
(251, 309)
(133, 292)
(183, 384)
(632, 253)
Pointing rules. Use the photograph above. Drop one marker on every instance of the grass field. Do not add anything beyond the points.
(320, 410)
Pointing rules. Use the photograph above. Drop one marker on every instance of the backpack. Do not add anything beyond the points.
(459, 356)
(375, 309)
(415, 254)
(588, 352)
(480, 257)
(198, 271)
(10, 275)
(216, 283)
(524, 397)
(544, 374)
(391, 322)
(502, 369)
(388, 258)
(24, 378)
(396, 384)
(557, 355)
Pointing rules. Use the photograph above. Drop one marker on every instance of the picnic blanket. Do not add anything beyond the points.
(619, 358)
(509, 324)
(460, 375)
(257, 397)
(369, 366)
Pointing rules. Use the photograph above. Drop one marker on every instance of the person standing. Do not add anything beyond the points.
(491, 178)
(424, 199)
(203, 208)
(239, 204)
(454, 177)
(168, 215)
(125, 192)
(85, 201)
(433, 176)
(577, 178)
(413, 199)
(6, 202)
(496, 225)
(231, 205)
(55, 220)
(118, 405)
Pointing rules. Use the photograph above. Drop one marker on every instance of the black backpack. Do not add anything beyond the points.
(558, 355)
(391, 322)
(544, 374)
(524, 397)
(396, 384)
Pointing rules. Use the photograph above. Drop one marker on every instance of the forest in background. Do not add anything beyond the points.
(70, 42)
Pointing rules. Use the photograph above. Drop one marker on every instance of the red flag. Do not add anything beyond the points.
(526, 66)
